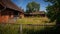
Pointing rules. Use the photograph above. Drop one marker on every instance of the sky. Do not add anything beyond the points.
(23, 3)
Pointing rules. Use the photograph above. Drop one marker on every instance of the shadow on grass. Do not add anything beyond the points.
(46, 30)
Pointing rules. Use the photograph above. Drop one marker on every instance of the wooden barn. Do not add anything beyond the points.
(9, 10)
(36, 13)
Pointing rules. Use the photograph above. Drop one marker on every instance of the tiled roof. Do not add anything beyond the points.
(10, 4)
(38, 12)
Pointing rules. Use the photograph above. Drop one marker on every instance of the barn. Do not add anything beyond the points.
(9, 10)
(36, 13)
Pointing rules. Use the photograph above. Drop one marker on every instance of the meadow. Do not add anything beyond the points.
(33, 20)
(29, 26)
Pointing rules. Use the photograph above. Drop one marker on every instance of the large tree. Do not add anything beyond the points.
(53, 11)
(32, 6)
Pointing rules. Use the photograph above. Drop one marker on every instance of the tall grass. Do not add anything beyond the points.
(33, 20)
(27, 29)
(9, 29)
(15, 29)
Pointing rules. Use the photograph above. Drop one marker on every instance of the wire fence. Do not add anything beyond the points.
(11, 28)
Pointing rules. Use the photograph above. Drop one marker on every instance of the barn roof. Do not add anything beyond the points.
(38, 12)
(10, 4)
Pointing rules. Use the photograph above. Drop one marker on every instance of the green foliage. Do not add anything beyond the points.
(9, 29)
(53, 11)
(32, 6)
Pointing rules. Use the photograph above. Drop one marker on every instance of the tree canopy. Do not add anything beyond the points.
(32, 6)
(53, 11)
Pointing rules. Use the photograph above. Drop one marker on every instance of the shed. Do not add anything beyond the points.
(36, 13)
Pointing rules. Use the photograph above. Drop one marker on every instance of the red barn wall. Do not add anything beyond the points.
(4, 17)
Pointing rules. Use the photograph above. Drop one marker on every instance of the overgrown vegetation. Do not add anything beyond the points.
(33, 20)
(26, 29)
(53, 11)
(9, 29)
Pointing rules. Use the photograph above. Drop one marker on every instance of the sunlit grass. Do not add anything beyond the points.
(28, 25)
(33, 20)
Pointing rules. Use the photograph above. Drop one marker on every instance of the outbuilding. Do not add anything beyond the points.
(9, 10)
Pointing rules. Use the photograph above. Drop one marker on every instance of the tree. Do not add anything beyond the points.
(32, 6)
(53, 11)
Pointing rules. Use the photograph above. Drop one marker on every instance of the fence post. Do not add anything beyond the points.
(20, 28)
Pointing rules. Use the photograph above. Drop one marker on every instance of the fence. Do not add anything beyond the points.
(8, 28)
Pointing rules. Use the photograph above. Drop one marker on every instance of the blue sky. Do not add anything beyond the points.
(23, 3)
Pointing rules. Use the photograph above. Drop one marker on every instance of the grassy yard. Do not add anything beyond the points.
(26, 29)
(33, 20)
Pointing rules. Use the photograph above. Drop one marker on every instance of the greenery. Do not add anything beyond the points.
(32, 6)
(15, 29)
(28, 26)
(9, 29)
(53, 11)
(33, 20)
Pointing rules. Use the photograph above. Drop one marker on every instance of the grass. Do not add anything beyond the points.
(34, 20)
(31, 20)
(14, 29)
(9, 29)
